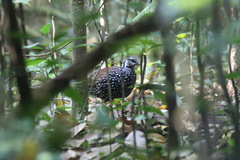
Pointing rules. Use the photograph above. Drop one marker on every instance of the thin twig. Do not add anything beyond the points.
(133, 113)
(22, 23)
(43, 95)
(54, 54)
(96, 12)
(234, 113)
(191, 58)
(127, 12)
(48, 53)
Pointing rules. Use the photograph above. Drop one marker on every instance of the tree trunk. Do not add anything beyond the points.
(79, 31)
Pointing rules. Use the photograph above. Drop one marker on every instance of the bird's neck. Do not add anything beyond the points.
(127, 67)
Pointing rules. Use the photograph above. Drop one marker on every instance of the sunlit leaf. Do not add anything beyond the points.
(146, 11)
(30, 62)
(33, 46)
(180, 36)
(151, 74)
(61, 44)
(189, 5)
(45, 29)
(179, 19)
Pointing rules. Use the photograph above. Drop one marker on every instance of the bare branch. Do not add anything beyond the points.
(44, 94)
(16, 56)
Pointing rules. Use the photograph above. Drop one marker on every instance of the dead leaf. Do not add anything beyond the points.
(69, 154)
(157, 137)
(140, 140)
(74, 142)
(75, 130)
(100, 135)
(151, 74)
(98, 152)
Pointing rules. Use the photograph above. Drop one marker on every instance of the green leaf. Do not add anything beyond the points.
(233, 75)
(46, 117)
(180, 36)
(151, 109)
(160, 95)
(103, 119)
(33, 68)
(190, 5)
(30, 62)
(72, 93)
(33, 46)
(179, 19)
(146, 11)
(45, 29)
(231, 142)
(66, 42)
(51, 62)
(139, 117)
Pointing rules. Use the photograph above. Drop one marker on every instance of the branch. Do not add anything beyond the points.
(43, 95)
(234, 111)
(169, 52)
(13, 43)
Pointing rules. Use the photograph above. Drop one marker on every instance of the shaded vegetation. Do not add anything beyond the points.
(185, 104)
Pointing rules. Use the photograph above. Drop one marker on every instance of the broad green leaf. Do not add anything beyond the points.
(72, 93)
(180, 36)
(51, 62)
(179, 19)
(151, 109)
(52, 75)
(66, 42)
(190, 5)
(139, 117)
(33, 46)
(45, 29)
(146, 11)
(33, 68)
(103, 119)
(233, 75)
(152, 63)
(30, 62)
(80, 45)
(231, 142)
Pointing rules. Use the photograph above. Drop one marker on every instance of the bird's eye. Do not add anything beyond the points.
(132, 60)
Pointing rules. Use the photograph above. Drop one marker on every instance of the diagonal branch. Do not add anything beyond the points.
(43, 95)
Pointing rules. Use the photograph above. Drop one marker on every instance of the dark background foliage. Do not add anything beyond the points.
(185, 104)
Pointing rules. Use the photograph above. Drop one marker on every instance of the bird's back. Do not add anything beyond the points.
(100, 83)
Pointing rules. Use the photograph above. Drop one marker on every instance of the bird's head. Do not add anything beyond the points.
(130, 62)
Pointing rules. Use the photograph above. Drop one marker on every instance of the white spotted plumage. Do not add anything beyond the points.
(100, 84)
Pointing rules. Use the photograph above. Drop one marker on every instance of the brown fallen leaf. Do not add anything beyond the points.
(98, 152)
